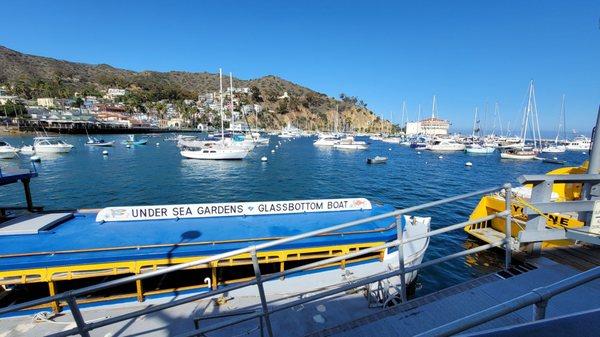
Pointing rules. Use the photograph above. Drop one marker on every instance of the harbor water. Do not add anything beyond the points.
(157, 174)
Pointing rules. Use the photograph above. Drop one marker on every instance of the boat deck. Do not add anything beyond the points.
(81, 240)
(346, 314)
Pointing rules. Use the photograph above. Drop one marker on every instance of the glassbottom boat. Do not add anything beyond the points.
(45, 254)
(493, 230)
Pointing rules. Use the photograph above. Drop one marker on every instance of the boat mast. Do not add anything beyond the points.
(537, 136)
(475, 122)
(221, 105)
(404, 116)
(433, 108)
(497, 112)
(561, 122)
(231, 99)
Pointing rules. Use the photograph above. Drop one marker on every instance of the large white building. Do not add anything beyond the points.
(431, 126)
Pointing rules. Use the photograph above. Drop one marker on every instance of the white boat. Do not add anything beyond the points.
(377, 160)
(7, 151)
(479, 149)
(376, 137)
(445, 145)
(558, 147)
(581, 143)
(221, 149)
(216, 152)
(392, 140)
(518, 154)
(51, 145)
(326, 141)
(27, 150)
(349, 143)
(98, 142)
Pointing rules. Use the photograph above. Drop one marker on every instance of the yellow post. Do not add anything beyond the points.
(139, 290)
(55, 305)
(214, 277)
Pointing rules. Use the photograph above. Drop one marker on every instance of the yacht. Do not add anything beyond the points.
(349, 143)
(479, 149)
(446, 145)
(518, 154)
(326, 140)
(218, 151)
(581, 143)
(51, 145)
(7, 151)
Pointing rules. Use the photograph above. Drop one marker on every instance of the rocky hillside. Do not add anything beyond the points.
(32, 76)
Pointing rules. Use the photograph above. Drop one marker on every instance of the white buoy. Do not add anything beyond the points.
(35, 158)
(263, 158)
(157, 144)
(276, 146)
(468, 164)
(555, 158)
(418, 152)
(272, 151)
(127, 146)
(105, 153)
(583, 152)
(390, 149)
(440, 157)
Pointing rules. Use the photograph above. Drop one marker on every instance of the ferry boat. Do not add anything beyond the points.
(45, 254)
(493, 230)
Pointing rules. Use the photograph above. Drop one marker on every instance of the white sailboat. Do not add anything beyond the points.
(559, 147)
(217, 150)
(478, 147)
(522, 151)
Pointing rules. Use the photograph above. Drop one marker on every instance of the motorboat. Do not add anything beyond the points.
(479, 149)
(134, 141)
(51, 145)
(326, 141)
(392, 140)
(349, 143)
(581, 143)
(218, 151)
(7, 151)
(376, 137)
(27, 150)
(377, 160)
(518, 154)
(445, 145)
(92, 141)
(554, 149)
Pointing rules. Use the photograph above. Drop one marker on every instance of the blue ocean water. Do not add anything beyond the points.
(157, 174)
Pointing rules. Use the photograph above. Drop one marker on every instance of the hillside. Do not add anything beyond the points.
(32, 76)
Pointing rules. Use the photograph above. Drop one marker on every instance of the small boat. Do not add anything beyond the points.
(349, 143)
(553, 161)
(377, 160)
(554, 149)
(326, 141)
(518, 154)
(7, 151)
(445, 145)
(217, 151)
(99, 142)
(479, 149)
(27, 150)
(392, 140)
(133, 141)
(51, 145)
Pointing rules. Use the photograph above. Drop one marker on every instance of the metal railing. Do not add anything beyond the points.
(538, 297)
(82, 328)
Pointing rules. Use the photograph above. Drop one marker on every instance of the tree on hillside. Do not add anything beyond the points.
(256, 96)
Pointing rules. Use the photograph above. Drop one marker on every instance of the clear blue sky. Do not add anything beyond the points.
(465, 52)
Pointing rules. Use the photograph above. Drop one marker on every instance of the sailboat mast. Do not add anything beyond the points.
(474, 124)
(433, 108)
(231, 99)
(221, 105)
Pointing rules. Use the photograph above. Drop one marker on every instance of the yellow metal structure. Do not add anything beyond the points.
(493, 230)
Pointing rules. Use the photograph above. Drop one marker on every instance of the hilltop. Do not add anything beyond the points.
(31, 77)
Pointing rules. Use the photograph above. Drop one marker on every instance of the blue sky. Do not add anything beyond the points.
(465, 52)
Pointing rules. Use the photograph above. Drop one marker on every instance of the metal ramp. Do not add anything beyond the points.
(437, 309)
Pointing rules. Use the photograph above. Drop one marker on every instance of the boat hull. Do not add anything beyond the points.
(53, 149)
(513, 156)
(232, 154)
(8, 154)
(103, 144)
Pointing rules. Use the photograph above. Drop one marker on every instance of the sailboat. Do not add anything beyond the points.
(522, 151)
(477, 147)
(220, 150)
(134, 141)
(92, 141)
(559, 147)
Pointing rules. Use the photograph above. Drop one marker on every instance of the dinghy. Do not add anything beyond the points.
(133, 141)
(377, 160)
(98, 142)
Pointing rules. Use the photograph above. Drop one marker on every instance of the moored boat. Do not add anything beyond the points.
(99, 142)
(134, 141)
(518, 154)
(7, 151)
(377, 160)
(69, 249)
(51, 145)
(479, 149)
(216, 151)
(349, 143)
(445, 145)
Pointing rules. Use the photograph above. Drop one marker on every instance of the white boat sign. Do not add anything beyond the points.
(160, 212)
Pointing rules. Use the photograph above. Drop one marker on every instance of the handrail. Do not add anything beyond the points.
(83, 328)
(538, 297)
